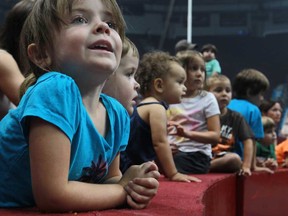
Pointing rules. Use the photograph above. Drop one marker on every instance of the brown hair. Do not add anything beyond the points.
(10, 33)
(216, 78)
(268, 123)
(41, 26)
(249, 80)
(153, 65)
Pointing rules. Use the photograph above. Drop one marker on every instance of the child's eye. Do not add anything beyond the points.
(130, 75)
(112, 25)
(79, 20)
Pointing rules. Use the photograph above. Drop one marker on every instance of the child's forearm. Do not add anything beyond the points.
(209, 137)
(254, 158)
(248, 153)
(165, 158)
(79, 196)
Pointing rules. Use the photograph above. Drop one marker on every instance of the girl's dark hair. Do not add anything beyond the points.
(266, 105)
(10, 32)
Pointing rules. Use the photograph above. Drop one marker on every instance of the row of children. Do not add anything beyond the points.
(269, 108)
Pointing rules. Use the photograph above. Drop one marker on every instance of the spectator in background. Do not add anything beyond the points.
(266, 147)
(280, 93)
(249, 87)
(183, 44)
(212, 65)
(273, 109)
(281, 151)
(10, 74)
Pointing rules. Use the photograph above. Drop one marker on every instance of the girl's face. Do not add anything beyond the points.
(122, 84)
(195, 76)
(270, 137)
(89, 43)
(275, 112)
(222, 92)
(208, 55)
(174, 84)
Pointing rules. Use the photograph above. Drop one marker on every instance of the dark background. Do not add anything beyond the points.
(247, 33)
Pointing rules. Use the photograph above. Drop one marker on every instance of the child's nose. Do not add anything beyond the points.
(102, 27)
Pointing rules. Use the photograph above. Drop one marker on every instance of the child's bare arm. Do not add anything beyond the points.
(158, 125)
(247, 157)
(49, 159)
(210, 136)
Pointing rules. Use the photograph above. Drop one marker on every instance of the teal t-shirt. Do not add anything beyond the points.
(212, 66)
(56, 99)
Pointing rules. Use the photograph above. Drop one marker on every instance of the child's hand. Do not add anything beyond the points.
(174, 148)
(262, 169)
(145, 170)
(176, 128)
(271, 164)
(142, 186)
(284, 164)
(140, 192)
(184, 178)
(181, 131)
(245, 171)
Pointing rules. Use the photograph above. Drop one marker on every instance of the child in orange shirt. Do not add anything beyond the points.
(281, 151)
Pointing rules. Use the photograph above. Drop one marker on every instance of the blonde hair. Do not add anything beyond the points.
(214, 79)
(129, 45)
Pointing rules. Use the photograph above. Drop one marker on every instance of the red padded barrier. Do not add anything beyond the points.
(220, 198)
(263, 194)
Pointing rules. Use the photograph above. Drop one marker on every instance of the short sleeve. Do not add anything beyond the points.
(55, 98)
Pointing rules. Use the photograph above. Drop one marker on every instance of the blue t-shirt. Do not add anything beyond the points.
(252, 115)
(56, 99)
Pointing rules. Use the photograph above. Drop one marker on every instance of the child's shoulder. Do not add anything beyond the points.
(55, 77)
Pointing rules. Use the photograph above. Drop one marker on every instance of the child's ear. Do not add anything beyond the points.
(42, 61)
(248, 92)
(158, 85)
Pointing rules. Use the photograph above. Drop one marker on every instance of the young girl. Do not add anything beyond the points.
(63, 140)
(196, 119)
(161, 80)
(122, 84)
